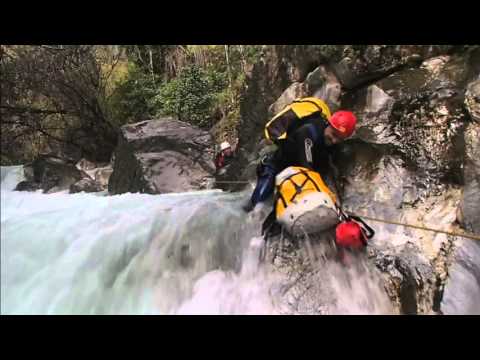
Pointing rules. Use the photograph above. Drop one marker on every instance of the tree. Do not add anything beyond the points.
(59, 94)
(191, 95)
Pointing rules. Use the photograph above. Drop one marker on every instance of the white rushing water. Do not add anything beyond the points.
(188, 253)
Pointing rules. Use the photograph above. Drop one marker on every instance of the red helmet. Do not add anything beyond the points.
(344, 122)
(349, 234)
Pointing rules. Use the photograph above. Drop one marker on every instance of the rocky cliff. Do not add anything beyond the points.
(413, 159)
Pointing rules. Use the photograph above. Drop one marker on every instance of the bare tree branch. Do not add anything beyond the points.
(19, 109)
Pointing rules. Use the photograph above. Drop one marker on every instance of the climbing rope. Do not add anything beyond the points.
(464, 234)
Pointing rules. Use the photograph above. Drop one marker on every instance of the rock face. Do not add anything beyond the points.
(320, 83)
(161, 156)
(361, 64)
(462, 291)
(472, 100)
(415, 262)
(50, 174)
(413, 159)
(470, 205)
(419, 113)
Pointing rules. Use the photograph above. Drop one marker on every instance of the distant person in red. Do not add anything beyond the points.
(224, 155)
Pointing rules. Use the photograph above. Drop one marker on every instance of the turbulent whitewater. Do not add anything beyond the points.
(185, 253)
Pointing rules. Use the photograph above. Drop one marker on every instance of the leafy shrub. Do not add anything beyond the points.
(191, 96)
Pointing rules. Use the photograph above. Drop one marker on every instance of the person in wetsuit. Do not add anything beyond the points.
(305, 137)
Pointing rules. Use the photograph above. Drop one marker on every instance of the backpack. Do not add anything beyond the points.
(290, 117)
(303, 203)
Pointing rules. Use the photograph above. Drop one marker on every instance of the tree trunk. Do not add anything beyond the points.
(139, 54)
(151, 64)
(242, 56)
(229, 73)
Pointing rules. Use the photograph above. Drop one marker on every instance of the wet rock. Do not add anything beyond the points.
(161, 156)
(102, 175)
(315, 283)
(378, 184)
(27, 186)
(410, 275)
(86, 185)
(462, 290)
(50, 174)
(374, 180)
(28, 172)
(100, 172)
(412, 267)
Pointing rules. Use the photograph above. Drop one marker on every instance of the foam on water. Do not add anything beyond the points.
(188, 253)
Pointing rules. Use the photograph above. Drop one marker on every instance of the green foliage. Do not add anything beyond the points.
(133, 98)
(191, 96)
(75, 95)
(253, 53)
(204, 90)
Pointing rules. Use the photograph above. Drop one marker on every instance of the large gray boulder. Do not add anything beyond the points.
(161, 156)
